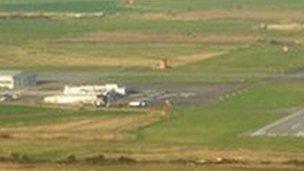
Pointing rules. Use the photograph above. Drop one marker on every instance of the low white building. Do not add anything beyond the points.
(16, 79)
(73, 99)
(89, 94)
(96, 89)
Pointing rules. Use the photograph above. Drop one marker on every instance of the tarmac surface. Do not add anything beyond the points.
(292, 125)
(179, 94)
(188, 94)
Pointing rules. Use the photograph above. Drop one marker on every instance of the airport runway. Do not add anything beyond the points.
(292, 125)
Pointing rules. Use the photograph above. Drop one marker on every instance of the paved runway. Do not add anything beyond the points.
(292, 125)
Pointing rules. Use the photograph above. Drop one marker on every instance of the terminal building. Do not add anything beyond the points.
(16, 79)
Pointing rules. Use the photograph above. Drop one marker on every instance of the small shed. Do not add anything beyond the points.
(16, 79)
(161, 64)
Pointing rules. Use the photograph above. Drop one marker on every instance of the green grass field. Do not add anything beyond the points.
(225, 124)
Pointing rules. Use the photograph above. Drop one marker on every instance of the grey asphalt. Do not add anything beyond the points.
(292, 125)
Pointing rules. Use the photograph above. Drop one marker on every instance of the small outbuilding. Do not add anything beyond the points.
(161, 64)
(16, 79)
(74, 99)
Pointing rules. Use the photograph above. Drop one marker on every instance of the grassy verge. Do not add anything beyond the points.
(224, 125)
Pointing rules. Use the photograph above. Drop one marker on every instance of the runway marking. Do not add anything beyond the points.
(263, 131)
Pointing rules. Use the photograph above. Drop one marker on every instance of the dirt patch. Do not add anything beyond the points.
(91, 129)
